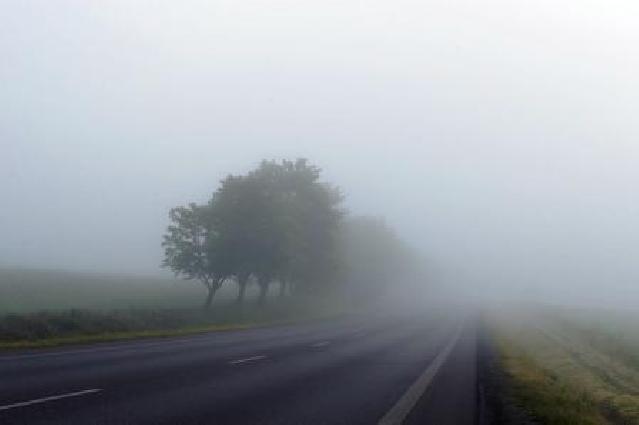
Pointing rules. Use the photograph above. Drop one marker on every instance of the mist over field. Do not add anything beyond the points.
(499, 139)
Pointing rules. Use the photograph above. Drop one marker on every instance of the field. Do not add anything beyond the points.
(570, 366)
(25, 290)
(45, 308)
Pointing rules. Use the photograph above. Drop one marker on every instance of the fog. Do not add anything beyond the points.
(499, 138)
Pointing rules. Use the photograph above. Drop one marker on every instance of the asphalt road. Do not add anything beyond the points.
(381, 369)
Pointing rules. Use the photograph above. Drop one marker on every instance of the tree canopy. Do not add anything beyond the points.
(278, 222)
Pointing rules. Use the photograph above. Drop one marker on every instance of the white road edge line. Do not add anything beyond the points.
(401, 409)
(320, 344)
(248, 359)
(50, 398)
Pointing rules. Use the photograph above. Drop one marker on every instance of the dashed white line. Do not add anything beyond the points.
(320, 344)
(246, 360)
(50, 398)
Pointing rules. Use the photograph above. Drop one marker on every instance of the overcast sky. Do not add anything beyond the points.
(500, 137)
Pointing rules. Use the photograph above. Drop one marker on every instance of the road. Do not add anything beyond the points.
(374, 369)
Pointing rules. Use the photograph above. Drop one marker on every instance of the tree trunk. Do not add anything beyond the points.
(209, 298)
(241, 282)
(263, 283)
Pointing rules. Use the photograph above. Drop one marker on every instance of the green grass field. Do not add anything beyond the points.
(40, 308)
(25, 290)
(571, 366)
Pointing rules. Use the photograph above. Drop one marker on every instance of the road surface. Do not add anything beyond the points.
(382, 369)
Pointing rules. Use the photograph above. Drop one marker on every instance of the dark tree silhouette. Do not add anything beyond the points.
(279, 222)
(192, 248)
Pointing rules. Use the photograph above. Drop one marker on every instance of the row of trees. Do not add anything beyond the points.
(278, 223)
(375, 261)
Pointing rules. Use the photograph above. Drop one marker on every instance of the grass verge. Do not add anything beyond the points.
(562, 375)
(544, 395)
(118, 336)
(50, 329)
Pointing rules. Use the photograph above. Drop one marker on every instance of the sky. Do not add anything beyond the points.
(499, 138)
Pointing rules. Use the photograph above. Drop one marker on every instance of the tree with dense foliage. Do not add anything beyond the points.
(278, 223)
(192, 248)
(314, 222)
(251, 230)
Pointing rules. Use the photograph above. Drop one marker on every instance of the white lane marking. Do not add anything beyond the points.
(401, 409)
(320, 344)
(248, 359)
(50, 398)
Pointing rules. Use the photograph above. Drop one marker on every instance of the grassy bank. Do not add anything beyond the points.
(570, 366)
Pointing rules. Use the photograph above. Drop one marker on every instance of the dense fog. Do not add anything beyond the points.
(500, 141)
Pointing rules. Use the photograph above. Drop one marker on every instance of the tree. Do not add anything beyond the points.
(313, 221)
(239, 209)
(278, 222)
(192, 248)
(374, 259)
